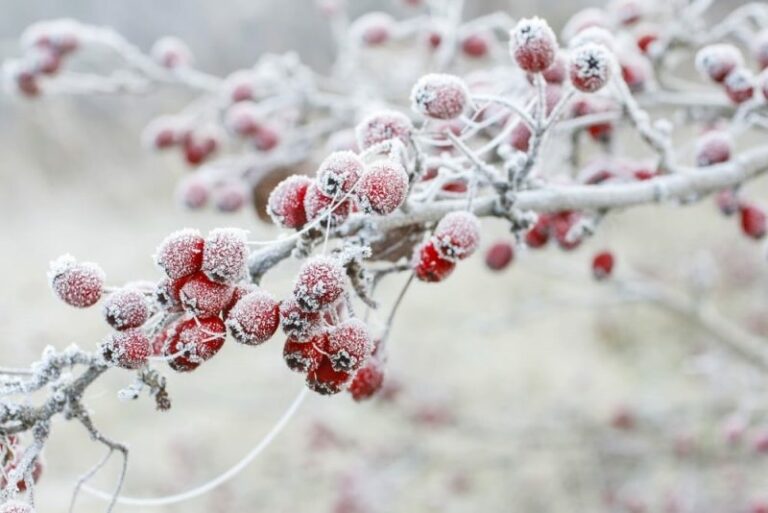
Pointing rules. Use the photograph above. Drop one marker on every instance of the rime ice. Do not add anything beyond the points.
(717, 61)
(127, 349)
(590, 67)
(349, 344)
(298, 324)
(224, 255)
(126, 308)
(457, 235)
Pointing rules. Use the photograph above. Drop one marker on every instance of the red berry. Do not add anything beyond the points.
(602, 265)
(520, 137)
(199, 145)
(562, 222)
(243, 118)
(533, 44)
(373, 28)
(717, 61)
(286, 202)
(636, 72)
(753, 222)
(646, 39)
(349, 345)
(538, 235)
(238, 293)
(162, 133)
(339, 173)
(193, 192)
(193, 341)
(225, 254)
(298, 324)
(440, 96)
(304, 356)
(128, 349)
(382, 126)
(230, 197)
(499, 256)
(332, 211)
(558, 71)
(171, 52)
(254, 319)
(319, 284)
(181, 253)
(324, 380)
(762, 83)
(590, 67)
(457, 235)
(21, 484)
(14, 506)
(367, 381)
(740, 85)
(727, 201)
(266, 138)
(167, 293)
(627, 12)
(713, 147)
(758, 507)
(78, 284)
(126, 308)
(475, 46)
(202, 297)
(383, 187)
(760, 441)
(428, 265)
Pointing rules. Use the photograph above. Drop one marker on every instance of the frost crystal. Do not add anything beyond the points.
(717, 61)
(77, 284)
(16, 507)
(349, 344)
(286, 202)
(127, 349)
(225, 254)
(440, 96)
(181, 253)
(383, 187)
(126, 308)
(339, 173)
(713, 147)
(457, 235)
(383, 126)
(533, 44)
(254, 319)
(297, 323)
(201, 296)
(590, 67)
(319, 284)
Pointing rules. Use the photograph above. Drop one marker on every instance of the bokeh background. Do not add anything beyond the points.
(532, 390)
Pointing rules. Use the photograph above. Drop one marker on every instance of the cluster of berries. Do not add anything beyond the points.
(455, 238)
(559, 225)
(10, 456)
(724, 64)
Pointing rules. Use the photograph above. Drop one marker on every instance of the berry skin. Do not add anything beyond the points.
(440, 96)
(538, 235)
(317, 205)
(126, 349)
(304, 356)
(349, 345)
(193, 192)
(717, 61)
(499, 256)
(181, 253)
(229, 198)
(428, 265)
(475, 46)
(558, 71)
(126, 308)
(162, 133)
(16, 507)
(238, 293)
(319, 284)
(727, 201)
(382, 188)
(225, 253)
(254, 319)
(339, 173)
(171, 52)
(373, 29)
(753, 221)
(298, 324)
(602, 265)
(457, 235)
(561, 223)
(324, 380)
(167, 293)
(382, 126)
(203, 297)
(739, 85)
(286, 202)
(533, 45)
(713, 148)
(78, 284)
(590, 67)
(199, 145)
(193, 341)
(367, 381)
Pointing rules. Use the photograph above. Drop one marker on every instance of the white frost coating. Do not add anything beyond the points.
(382, 126)
(319, 284)
(16, 507)
(254, 318)
(382, 188)
(740, 80)
(440, 96)
(180, 253)
(533, 44)
(457, 235)
(595, 35)
(372, 28)
(339, 172)
(590, 67)
(171, 52)
(285, 204)
(716, 61)
(349, 344)
(225, 254)
(77, 284)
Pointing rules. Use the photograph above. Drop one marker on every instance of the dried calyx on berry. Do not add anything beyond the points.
(128, 349)
(349, 345)
(428, 265)
(590, 67)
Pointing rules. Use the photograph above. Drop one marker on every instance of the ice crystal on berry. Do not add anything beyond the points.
(339, 173)
(254, 319)
(533, 44)
(440, 96)
(383, 187)
(382, 126)
(79, 284)
(319, 284)
(181, 253)
(225, 254)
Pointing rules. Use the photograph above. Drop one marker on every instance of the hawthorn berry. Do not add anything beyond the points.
(127, 349)
(717, 61)
(475, 46)
(297, 323)
(538, 235)
(325, 380)
(162, 133)
(286, 202)
(21, 484)
(171, 52)
(646, 36)
(304, 356)
(126, 308)
(440, 96)
(319, 284)
(193, 192)
(373, 28)
(739, 85)
(229, 197)
(332, 211)
(714, 147)
(562, 223)
(191, 342)
(428, 265)
(558, 71)
(266, 138)
(225, 254)
(339, 173)
(762, 83)
(201, 296)
(382, 188)
(533, 44)
(602, 265)
(238, 292)
(590, 67)
(167, 293)
(727, 201)
(382, 126)
(180, 253)
(636, 71)
(78, 284)
(753, 221)
(499, 256)
(239, 86)
(457, 235)
(254, 319)
(367, 381)
(200, 144)
(14, 506)
(349, 345)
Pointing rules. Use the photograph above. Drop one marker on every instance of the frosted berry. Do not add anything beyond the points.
(297, 323)
(602, 265)
(193, 192)
(193, 341)
(324, 380)
(16, 507)
(440, 96)
(590, 67)
(167, 293)
(225, 254)
(319, 284)
(499, 256)
(382, 126)
(181, 253)
(266, 138)
(383, 187)
(760, 49)
(713, 147)
(243, 119)
(349, 345)
(538, 235)
(457, 235)
(78, 284)
(339, 173)
(21, 484)
(727, 201)
(126, 308)
(520, 136)
(200, 144)
(739, 85)
(475, 46)
(558, 71)
(717, 61)
(304, 356)
(367, 381)
(286, 202)
(238, 293)
(428, 265)
(627, 12)
(332, 211)
(254, 319)
(646, 38)
(533, 44)
(373, 28)
(636, 72)
(230, 197)
(753, 221)
(562, 223)
(202, 297)
(171, 52)
(162, 133)
(128, 349)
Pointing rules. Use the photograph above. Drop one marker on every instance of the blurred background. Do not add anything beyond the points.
(537, 389)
